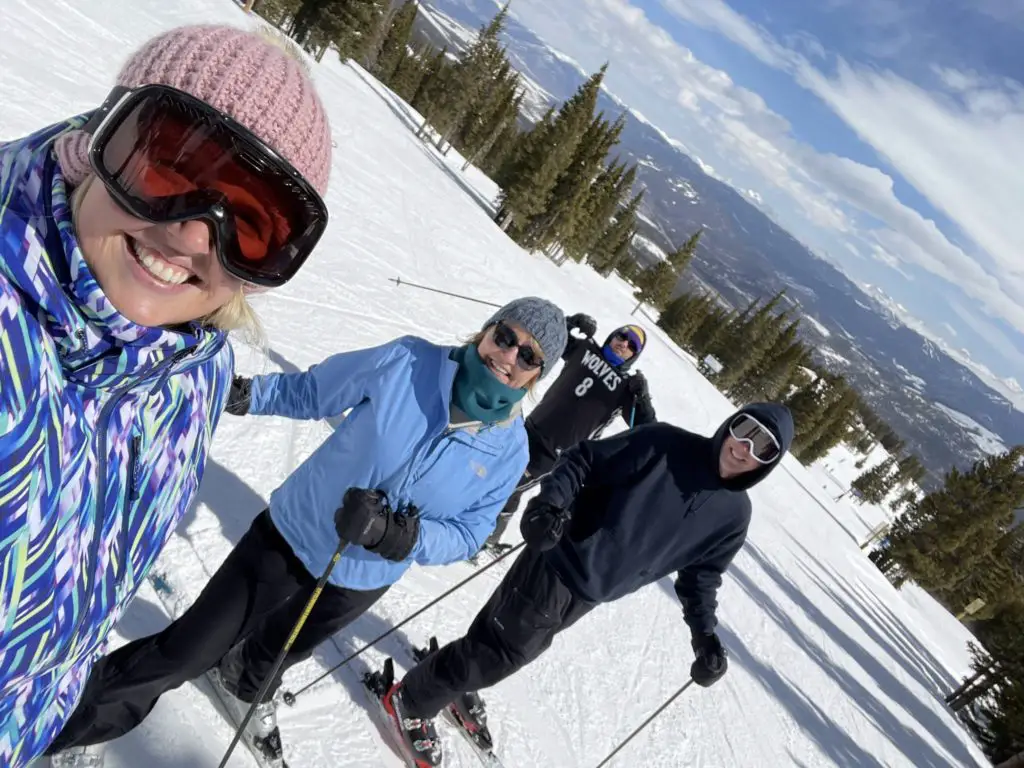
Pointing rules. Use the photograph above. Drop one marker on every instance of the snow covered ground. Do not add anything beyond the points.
(829, 665)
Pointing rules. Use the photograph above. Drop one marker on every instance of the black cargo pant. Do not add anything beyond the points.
(542, 459)
(256, 596)
(518, 623)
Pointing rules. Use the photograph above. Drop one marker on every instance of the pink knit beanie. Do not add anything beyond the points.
(244, 75)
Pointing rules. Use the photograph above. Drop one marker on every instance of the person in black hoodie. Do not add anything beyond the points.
(614, 515)
(596, 384)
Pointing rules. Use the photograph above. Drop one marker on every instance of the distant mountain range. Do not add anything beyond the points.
(940, 405)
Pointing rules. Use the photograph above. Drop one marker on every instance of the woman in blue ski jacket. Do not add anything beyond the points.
(431, 448)
(116, 294)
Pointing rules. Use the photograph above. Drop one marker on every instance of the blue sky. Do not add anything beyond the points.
(888, 135)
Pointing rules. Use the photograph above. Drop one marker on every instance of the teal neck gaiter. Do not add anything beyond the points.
(477, 392)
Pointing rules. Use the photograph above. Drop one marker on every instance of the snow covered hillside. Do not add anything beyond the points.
(829, 665)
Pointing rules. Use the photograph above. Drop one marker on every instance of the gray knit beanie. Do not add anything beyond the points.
(543, 320)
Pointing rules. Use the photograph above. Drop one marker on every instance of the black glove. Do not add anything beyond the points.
(239, 396)
(636, 385)
(365, 518)
(543, 524)
(585, 324)
(711, 661)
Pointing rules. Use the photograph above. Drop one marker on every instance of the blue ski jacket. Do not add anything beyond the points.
(397, 437)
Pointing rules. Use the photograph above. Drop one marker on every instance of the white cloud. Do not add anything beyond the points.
(961, 149)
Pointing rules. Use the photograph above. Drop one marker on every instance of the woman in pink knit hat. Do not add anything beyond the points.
(129, 238)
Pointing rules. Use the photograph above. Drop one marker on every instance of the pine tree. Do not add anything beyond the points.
(599, 206)
(617, 238)
(396, 41)
(875, 484)
(493, 158)
(910, 470)
(683, 255)
(677, 312)
(952, 531)
(407, 76)
(306, 19)
(706, 334)
(431, 85)
(769, 373)
(808, 404)
(529, 191)
(745, 340)
(470, 78)
(568, 207)
(834, 427)
(904, 501)
(499, 106)
(358, 20)
(656, 284)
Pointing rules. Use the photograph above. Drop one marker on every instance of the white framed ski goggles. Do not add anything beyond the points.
(764, 446)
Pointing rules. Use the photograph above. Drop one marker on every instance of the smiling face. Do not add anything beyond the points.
(620, 346)
(502, 362)
(735, 458)
(153, 274)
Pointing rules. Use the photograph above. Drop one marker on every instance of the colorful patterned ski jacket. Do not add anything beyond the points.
(104, 430)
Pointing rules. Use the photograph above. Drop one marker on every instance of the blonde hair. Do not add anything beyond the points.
(276, 37)
(479, 336)
(235, 315)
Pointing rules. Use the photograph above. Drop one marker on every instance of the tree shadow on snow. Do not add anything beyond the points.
(830, 736)
(879, 712)
(899, 642)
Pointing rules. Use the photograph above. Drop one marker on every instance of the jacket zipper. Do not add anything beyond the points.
(101, 494)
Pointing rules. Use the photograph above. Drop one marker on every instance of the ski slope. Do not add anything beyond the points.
(829, 665)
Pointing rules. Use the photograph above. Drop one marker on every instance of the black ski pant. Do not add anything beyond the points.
(255, 597)
(518, 623)
(542, 460)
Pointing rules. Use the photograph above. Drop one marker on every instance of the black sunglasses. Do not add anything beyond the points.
(527, 357)
(620, 336)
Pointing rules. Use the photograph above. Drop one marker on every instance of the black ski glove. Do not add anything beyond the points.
(636, 385)
(711, 662)
(365, 518)
(239, 396)
(585, 324)
(543, 524)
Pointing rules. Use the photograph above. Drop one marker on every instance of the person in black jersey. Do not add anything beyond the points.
(596, 384)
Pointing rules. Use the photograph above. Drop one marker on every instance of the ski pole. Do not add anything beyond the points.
(632, 415)
(400, 281)
(289, 698)
(646, 722)
(269, 680)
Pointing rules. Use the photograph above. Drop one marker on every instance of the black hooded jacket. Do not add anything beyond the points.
(651, 502)
(585, 398)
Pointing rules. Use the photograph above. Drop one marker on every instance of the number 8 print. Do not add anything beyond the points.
(584, 386)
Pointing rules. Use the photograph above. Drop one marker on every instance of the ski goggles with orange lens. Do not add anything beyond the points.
(167, 157)
(763, 444)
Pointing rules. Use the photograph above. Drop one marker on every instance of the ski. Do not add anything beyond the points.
(479, 738)
(267, 752)
(376, 685)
